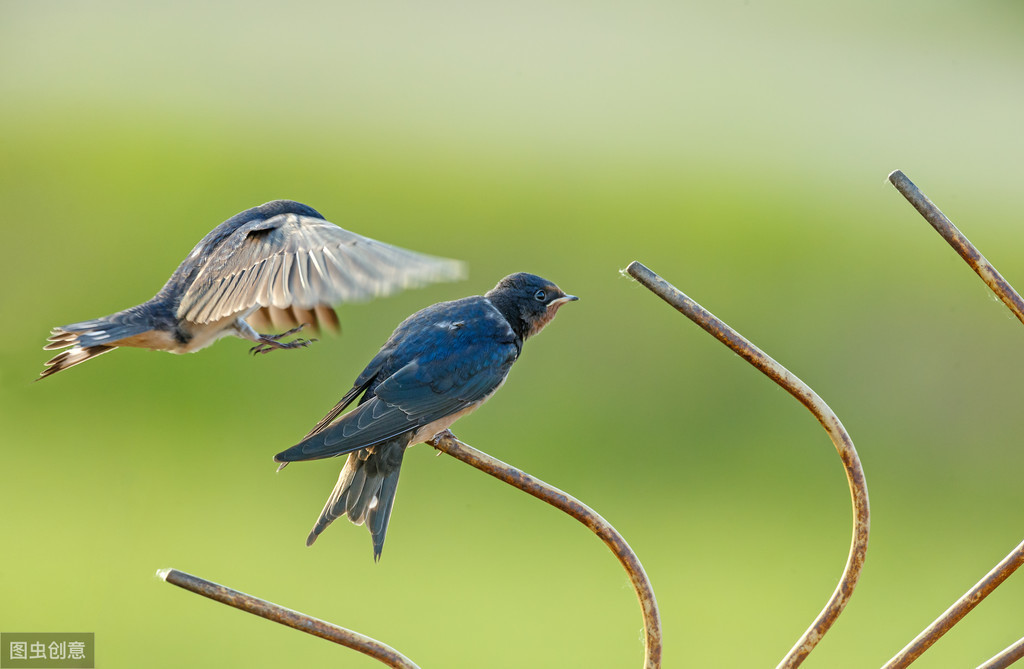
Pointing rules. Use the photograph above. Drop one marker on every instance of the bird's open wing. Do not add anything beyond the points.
(416, 395)
(295, 267)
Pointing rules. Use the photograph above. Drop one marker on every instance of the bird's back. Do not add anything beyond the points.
(189, 269)
(439, 333)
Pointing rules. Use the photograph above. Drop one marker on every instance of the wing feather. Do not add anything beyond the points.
(281, 318)
(412, 397)
(327, 318)
(264, 279)
(280, 296)
(260, 320)
(292, 260)
(306, 316)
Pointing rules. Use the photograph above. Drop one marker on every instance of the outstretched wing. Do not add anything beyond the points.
(294, 267)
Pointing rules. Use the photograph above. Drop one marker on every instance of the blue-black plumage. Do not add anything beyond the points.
(439, 364)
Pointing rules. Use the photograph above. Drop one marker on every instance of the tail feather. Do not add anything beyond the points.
(380, 515)
(71, 357)
(89, 339)
(102, 331)
(60, 339)
(365, 492)
(356, 505)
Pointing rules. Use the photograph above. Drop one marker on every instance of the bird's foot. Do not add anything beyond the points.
(289, 333)
(270, 342)
(441, 436)
(268, 345)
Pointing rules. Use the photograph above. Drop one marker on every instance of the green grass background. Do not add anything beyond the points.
(738, 148)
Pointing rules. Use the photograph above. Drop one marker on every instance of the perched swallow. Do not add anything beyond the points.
(439, 364)
(279, 264)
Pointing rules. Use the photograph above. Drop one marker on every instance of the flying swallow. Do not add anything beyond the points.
(439, 364)
(276, 265)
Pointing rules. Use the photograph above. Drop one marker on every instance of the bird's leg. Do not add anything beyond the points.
(285, 334)
(267, 343)
(439, 437)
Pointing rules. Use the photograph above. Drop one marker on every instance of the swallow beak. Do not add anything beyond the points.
(540, 320)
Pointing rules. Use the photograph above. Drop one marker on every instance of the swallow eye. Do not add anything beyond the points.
(540, 295)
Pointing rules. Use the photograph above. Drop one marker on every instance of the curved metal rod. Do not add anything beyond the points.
(1004, 659)
(446, 442)
(960, 608)
(1012, 299)
(968, 251)
(293, 619)
(844, 445)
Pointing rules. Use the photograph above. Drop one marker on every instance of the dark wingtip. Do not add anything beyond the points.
(285, 456)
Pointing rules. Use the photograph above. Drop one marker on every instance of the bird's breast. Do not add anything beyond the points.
(197, 336)
(427, 432)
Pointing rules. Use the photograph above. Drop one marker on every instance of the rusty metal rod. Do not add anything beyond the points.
(1012, 299)
(1004, 659)
(446, 442)
(828, 419)
(958, 610)
(971, 255)
(293, 619)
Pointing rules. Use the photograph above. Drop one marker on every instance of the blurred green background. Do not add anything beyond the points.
(740, 149)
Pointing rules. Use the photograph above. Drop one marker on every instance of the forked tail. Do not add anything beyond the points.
(365, 491)
(89, 339)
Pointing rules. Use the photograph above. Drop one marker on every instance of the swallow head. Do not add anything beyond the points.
(528, 302)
